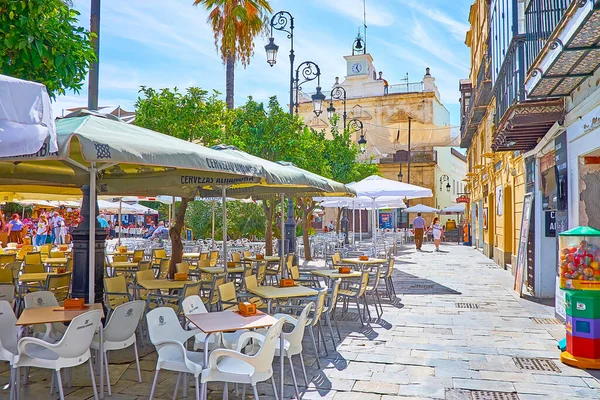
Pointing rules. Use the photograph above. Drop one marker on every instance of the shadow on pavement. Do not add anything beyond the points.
(405, 283)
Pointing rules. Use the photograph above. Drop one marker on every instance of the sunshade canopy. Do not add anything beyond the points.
(26, 120)
(420, 208)
(291, 180)
(130, 160)
(455, 209)
(375, 186)
(362, 202)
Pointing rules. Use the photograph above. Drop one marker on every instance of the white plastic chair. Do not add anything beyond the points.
(7, 293)
(226, 365)
(119, 333)
(72, 350)
(293, 341)
(51, 332)
(169, 338)
(9, 333)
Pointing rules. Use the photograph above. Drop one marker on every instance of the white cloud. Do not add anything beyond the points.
(457, 28)
(377, 15)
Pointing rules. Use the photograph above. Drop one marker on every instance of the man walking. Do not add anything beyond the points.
(419, 228)
(56, 222)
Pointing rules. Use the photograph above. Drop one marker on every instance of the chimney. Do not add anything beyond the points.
(429, 83)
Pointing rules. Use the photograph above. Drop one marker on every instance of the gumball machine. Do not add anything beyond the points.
(579, 272)
(579, 259)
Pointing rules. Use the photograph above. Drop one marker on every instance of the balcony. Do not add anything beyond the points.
(472, 117)
(571, 51)
(410, 87)
(541, 18)
(520, 122)
(483, 90)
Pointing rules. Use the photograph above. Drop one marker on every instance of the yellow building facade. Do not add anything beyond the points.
(496, 180)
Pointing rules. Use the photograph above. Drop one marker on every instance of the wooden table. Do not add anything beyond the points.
(226, 321)
(49, 315)
(219, 270)
(163, 284)
(274, 292)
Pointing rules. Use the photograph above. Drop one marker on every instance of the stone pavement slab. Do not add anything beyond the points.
(455, 326)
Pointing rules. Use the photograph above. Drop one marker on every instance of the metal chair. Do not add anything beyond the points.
(60, 285)
(356, 291)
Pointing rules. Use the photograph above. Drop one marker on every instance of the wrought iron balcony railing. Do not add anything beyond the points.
(541, 18)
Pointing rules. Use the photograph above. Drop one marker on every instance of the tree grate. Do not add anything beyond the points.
(536, 364)
(487, 395)
(546, 321)
(467, 305)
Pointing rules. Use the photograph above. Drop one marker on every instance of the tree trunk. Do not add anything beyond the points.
(305, 224)
(338, 220)
(175, 235)
(268, 206)
(229, 81)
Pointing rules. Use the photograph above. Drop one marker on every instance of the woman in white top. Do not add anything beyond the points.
(438, 231)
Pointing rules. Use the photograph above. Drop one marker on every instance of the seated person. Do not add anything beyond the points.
(160, 232)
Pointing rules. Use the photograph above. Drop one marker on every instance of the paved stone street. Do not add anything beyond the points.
(454, 333)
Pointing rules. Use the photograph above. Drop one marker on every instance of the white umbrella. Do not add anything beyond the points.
(26, 119)
(375, 187)
(455, 209)
(420, 208)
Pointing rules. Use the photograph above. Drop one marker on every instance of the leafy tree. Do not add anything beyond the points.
(235, 24)
(244, 220)
(40, 41)
(191, 116)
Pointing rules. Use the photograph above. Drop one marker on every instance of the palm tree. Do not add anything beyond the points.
(235, 24)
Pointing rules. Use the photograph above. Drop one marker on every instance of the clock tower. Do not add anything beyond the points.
(361, 76)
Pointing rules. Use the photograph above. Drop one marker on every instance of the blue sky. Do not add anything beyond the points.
(168, 43)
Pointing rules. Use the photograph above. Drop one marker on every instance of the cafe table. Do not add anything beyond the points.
(192, 255)
(332, 274)
(271, 293)
(219, 270)
(269, 259)
(227, 321)
(163, 284)
(56, 262)
(362, 263)
(126, 266)
(120, 253)
(57, 314)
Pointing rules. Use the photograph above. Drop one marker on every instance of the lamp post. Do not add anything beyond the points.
(338, 93)
(445, 178)
(282, 21)
(400, 175)
(355, 125)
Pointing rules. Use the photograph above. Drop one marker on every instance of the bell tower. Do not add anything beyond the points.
(361, 75)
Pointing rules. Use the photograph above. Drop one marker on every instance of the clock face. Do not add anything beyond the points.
(356, 68)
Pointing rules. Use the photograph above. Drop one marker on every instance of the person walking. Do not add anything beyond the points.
(15, 229)
(419, 228)
(438, 231)
(41, 232)
(56, 222)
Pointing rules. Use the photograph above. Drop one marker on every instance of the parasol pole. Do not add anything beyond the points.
(119, 221)
(359, 223)
(224, 199)
(353, 221)
(213, 224)
(282, 229)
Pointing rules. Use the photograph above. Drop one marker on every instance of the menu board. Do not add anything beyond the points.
(523, 241)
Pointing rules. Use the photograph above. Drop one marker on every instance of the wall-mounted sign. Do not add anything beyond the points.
(499, 200)
(463, 199)
(550, 223)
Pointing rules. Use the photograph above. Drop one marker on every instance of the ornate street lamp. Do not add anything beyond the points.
(282, 21)
(355, 125)
(306, 72)
(400, 175)
(445, 178)
(337, 93)
(271, 49)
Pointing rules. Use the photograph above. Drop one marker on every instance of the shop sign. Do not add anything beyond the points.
(550, 223)
(463, 199)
